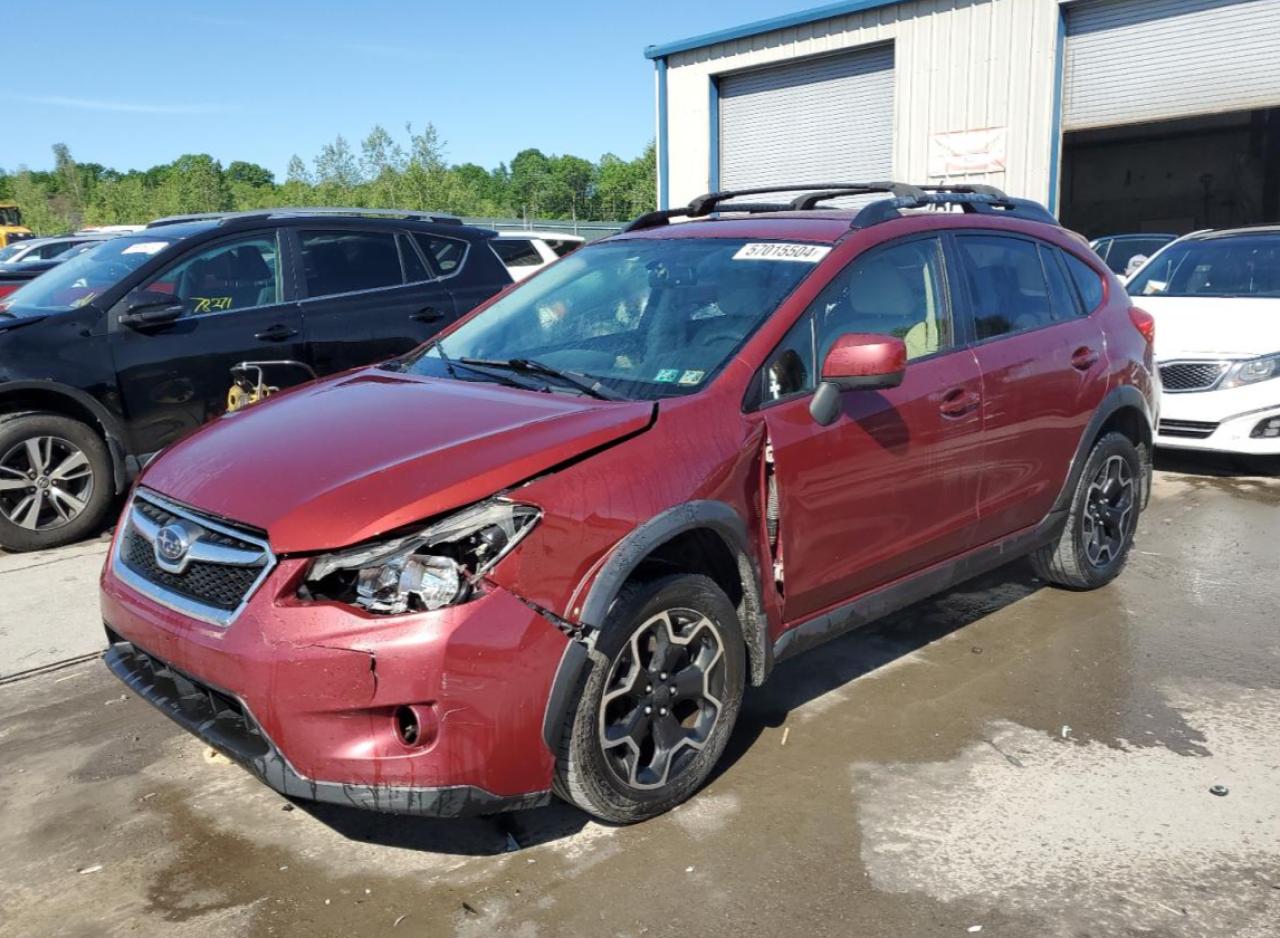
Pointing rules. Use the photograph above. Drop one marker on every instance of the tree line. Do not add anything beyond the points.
(383, 172)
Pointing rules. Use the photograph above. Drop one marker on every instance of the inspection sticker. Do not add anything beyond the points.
(146, 247)
(775, 251)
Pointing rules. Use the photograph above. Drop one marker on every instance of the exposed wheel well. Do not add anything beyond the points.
(1130, 422)
(35, 399)
(705, 551)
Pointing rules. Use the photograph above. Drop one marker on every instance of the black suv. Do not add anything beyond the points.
(119, 352)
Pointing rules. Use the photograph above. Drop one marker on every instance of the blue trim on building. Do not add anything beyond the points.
(764, 26)
(663, 182)
(1055, 142)
(713, 136)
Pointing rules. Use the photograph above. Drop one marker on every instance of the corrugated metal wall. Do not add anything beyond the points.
(822, 119)
(959, 65)
(1130, 61)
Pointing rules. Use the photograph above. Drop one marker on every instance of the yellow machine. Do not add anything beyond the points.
(249, 382)
(11, 227)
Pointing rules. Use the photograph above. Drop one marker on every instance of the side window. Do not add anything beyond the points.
(1086, 280)
(445, 253)
(346, 261)
(414, 270)
(1061, 293)
(516, 252)
(790, 369)
(235, 274)
(563, 248)
(898, 291)
(1007, 281)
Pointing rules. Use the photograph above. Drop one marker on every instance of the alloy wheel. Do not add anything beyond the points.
(45, 482)
(663, 698)
(1108, 511)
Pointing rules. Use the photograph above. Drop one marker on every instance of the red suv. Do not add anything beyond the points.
(547, 552)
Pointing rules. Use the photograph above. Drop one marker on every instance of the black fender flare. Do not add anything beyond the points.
(1119, 398)
(624, 559)
(112, 428)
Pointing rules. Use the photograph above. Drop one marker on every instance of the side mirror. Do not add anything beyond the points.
(857, 362)
(148, 308)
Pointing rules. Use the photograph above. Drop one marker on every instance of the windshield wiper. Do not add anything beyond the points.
(584, 383)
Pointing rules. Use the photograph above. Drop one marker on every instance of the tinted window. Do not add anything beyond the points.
(1124, 250)
(1238, 265)
(1061, 294)
(790, 369)
(1007, 282)
(445, 253)
(48, 251)
(1087, 281)
(894, 291)
(414, 270)
(347, 261)
(516, 252)
(561, 248)
(234, 274)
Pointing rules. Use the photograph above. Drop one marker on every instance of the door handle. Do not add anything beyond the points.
(427, 314)
(958, 402)
(276, 333)
(1083, 358)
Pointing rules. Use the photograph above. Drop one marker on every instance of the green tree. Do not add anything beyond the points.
(251, 174)
(530, 181)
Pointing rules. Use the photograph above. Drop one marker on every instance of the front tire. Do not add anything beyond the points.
(1094, 544)
(659, 703)
(55, 481)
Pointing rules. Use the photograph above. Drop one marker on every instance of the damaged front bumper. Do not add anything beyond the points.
(224, 722)
(309, 695)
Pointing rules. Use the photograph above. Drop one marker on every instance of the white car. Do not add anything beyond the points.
(1215, 297)
(526, 252)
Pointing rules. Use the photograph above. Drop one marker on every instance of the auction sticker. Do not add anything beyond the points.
(777, 251)
(146, 247)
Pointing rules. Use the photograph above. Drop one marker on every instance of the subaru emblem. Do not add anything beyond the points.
(172, 543)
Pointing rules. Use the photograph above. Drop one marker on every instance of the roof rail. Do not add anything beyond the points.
(973, 198)
(294, 211)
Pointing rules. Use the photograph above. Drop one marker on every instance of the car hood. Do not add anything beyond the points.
(1231, 327)
(349, 458)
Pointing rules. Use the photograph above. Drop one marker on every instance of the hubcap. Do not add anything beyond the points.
(1108, 511)
(45, 483)
(663, 698)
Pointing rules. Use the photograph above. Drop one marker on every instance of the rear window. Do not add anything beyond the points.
(516, 252)
(446, 253)
(336, 262)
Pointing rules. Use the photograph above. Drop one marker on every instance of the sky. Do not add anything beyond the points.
(136, 83)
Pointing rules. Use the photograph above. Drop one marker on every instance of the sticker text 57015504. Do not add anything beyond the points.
(779, 251)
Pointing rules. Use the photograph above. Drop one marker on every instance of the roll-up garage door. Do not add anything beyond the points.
(1133, 61)
(827, 119)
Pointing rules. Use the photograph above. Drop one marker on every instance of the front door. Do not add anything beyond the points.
(175, 376)
(891, 486)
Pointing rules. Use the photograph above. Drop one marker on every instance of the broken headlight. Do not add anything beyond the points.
(428, 570)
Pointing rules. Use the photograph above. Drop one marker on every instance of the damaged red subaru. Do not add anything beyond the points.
(546, 553)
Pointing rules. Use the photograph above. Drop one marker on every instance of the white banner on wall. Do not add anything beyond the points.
(965, 152)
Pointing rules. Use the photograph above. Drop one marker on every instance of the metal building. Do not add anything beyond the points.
(1121, 115)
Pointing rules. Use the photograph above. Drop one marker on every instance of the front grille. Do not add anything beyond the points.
(1187, 429)
(212, 575)
(214, 584)
(1192, 376)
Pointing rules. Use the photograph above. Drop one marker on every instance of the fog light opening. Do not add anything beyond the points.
(407, 727)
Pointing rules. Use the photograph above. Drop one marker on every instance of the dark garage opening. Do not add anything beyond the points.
(1213, 171)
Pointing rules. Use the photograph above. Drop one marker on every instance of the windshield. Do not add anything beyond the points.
(1246, 265)
(80, 279)
(9, 215)
(7, 253)
(645, 318)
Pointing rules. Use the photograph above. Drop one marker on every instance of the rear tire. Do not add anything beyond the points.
(658, 705)
(1094, 545)
(56, 481)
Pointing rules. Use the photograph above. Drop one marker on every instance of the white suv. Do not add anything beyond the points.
(526, 252)
(1215, 297)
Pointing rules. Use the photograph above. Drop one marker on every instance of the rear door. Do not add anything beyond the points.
(237, 305)
(1043, 373)
(891, 486)
(368, 295)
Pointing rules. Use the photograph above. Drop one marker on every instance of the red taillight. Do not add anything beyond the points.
(1144, 322)
(7, 288)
